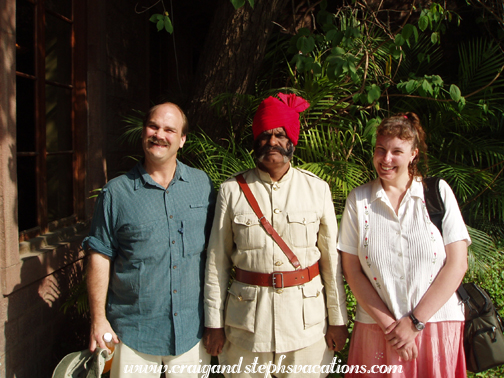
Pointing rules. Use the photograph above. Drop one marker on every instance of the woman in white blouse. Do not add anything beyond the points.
(402, 271)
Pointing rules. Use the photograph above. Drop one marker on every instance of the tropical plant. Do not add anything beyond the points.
(163, 21)
(218, 160)
(355, 68)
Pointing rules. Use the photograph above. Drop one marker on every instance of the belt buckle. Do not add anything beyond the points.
(274, 280)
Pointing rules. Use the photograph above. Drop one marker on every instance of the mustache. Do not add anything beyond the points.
(286, 153)
(154, 139)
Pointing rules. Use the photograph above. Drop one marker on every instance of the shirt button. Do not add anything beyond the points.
(248, 222)
(402, 277)
(175, 314)
(279, 291)
(400, 254)
(276, 211)
(275, 187)
(173, 242)
(278, 263)
(171, 216)
(240, 298)
(175, 291)
(174, 266)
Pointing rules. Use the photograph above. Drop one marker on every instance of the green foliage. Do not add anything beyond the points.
(162, 21)
(369, 71)
(240, 3)
(133, 129)
(355, 70)
(78, 298)
(492, 282)
(219, 160)
(95, 193)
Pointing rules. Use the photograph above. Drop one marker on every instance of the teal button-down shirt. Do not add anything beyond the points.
(155, 238)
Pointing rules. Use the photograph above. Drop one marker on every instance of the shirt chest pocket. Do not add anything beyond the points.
(193, 229)
(248, 231)
(140, 232)
(241, 306)
(137, 239)
(303, 228)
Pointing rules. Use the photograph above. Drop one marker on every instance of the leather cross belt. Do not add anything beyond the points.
(278, 280)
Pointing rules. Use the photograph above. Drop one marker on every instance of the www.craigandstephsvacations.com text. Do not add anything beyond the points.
(266, 368)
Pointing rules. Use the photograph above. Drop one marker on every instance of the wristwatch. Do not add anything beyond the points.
(417, 323)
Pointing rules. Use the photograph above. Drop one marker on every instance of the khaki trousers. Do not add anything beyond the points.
(280, 365)
(129, 363)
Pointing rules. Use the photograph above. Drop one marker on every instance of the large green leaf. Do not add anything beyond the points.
(238, 3)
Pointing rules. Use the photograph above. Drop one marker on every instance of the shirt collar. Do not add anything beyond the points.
(377, 190)
(264, 176)
(415, 190)
(142, 178)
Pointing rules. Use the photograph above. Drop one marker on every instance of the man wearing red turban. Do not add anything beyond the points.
(273, 113)
(278, 308)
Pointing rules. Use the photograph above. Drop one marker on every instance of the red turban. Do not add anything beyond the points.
(273, 113)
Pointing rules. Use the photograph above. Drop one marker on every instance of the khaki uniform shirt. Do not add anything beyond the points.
(265, 319)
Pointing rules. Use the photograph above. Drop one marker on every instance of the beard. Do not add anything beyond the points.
(260, 152)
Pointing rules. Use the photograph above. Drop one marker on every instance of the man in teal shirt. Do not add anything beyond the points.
(147, 254)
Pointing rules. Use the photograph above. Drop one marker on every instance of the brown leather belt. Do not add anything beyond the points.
(278, 280)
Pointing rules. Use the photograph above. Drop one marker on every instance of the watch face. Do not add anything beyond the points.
(420, 326)
(417, 323)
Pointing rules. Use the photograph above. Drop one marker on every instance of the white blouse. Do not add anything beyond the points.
(401, 254)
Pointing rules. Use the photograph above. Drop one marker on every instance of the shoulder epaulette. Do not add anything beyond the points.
(308, 173)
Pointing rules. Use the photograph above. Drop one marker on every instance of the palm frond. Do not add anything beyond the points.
(480, 61)
(219, 161)
(133, 129)
(482, 253)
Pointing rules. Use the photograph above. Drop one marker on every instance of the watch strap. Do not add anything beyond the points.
(417, 323)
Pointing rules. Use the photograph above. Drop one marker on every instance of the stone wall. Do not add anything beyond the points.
(37, 276)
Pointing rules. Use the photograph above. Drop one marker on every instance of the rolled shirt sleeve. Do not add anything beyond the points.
(101, 238)
(156, 238)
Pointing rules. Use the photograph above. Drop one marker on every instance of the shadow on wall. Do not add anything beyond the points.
(37, 333)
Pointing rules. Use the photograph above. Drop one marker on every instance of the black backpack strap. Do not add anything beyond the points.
(434, 202)
(461, 291)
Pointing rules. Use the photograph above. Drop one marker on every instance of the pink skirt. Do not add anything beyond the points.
(440, 352)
